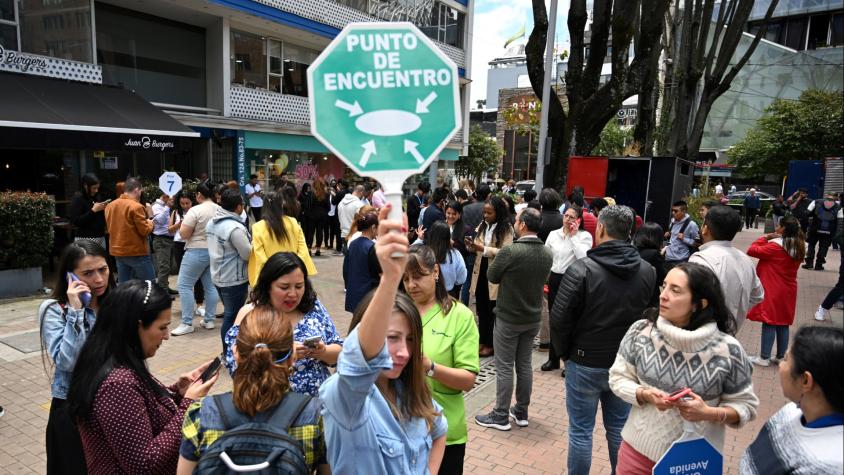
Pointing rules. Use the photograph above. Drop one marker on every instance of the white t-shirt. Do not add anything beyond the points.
(719, 189)
(197, 218)
(256, 201)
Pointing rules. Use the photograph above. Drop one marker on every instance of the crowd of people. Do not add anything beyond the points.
(389, 397)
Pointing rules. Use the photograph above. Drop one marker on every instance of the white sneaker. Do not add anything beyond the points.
(822, 314)
(200, 312)
(775, 360)
(759, 361)
(182, 329)
(209, 325)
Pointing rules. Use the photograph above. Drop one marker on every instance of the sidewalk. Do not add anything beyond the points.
(538, 449)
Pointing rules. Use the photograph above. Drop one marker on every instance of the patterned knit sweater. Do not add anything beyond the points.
(662, 356)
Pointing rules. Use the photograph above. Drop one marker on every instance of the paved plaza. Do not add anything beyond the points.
(538, 449)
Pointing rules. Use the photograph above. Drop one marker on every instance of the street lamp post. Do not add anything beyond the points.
(546, 96)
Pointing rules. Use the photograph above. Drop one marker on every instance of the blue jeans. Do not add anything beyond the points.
(586, 386)
(470, 266)
(135, 267)
(769, 332)
(233, 299)
(196, 266)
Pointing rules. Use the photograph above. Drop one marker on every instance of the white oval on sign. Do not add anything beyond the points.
(388, 122)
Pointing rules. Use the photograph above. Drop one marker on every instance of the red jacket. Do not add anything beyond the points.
(590, 223)
(778, 273)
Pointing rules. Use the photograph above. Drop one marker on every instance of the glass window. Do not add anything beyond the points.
(7, 10)
(296, 61)
(837, 34)
(796, 34)
(57, 28)
(275, 75)
(9, 36)
(445, 25)
(818, 32)
(248, 60)
(160, 59)
(362, 5)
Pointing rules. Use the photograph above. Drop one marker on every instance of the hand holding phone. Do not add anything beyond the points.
(312, 342)
(85, 296)
(677, 395)
(211, 369)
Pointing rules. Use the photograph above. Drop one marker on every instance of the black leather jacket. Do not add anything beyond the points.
(600, 296)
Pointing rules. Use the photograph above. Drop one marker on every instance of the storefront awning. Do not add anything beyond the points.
(32, 103)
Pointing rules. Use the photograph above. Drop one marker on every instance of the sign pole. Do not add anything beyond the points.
(546, 96)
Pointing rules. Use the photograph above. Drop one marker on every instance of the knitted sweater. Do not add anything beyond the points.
(711, 363)
(786, 446)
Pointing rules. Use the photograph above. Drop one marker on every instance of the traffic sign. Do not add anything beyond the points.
(384, 99)
(170, 183)
(690, 457)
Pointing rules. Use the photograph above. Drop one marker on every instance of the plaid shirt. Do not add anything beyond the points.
(307, 429)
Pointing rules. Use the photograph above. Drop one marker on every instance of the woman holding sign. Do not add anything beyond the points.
(705, 380)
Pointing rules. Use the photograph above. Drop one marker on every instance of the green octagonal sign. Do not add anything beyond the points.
(384, 99)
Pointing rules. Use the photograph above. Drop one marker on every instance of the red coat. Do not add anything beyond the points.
(778, 273)
(590, 223)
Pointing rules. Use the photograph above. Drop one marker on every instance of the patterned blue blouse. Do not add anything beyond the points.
(308, 373)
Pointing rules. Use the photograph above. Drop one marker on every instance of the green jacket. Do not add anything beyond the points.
(521, 269)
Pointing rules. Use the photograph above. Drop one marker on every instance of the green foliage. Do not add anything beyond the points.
(614, 139)
(523, 118)
(810, 128)
(152, 192)
(694, 205)
(26, 229)
(483, 157)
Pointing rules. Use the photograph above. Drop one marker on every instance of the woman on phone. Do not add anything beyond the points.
(264, 351)
(378, 410)
(86, 211)
(128, 421)
(494, 232)
(65, 322)
(780, 255)
(449, 345)
(695, 327)
(284, 285)
(567, 244)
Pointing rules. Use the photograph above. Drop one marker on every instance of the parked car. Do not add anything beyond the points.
(737, 200)
(523, 186)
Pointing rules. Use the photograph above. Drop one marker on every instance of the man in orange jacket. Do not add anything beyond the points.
(129, 224)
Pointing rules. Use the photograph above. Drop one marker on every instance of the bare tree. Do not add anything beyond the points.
(576, 129)
(702, 69)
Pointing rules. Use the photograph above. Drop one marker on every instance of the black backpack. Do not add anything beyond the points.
(260, 444)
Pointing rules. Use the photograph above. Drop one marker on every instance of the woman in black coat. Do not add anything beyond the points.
(648, 240)
(86, 212)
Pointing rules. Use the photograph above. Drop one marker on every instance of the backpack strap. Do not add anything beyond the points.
(684, 226)
(288, 410)
(228, 413)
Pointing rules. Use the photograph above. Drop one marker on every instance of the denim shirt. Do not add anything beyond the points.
(678, 250)
(63, 332)
(361, 434)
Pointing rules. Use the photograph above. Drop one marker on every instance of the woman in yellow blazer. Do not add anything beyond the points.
(494, 232)
(276, 233)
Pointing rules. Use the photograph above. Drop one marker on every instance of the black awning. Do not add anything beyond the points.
(29, 103)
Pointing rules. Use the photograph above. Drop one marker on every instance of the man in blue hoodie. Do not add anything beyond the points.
(600, 296)
(229, 246)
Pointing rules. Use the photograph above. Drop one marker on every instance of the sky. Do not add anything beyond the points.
(495, 22)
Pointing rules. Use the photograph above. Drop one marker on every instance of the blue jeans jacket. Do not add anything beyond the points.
(63, 332)
(361, 433)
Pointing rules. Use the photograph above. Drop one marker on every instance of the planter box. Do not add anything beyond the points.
(18, 282)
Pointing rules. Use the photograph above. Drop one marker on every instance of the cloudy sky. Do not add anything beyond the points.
(495, 22)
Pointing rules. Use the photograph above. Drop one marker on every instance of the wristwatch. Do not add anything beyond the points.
(431, 370)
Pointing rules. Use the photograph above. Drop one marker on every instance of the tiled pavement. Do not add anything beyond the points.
(538, 449)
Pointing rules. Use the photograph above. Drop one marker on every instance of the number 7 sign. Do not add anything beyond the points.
(170, 183)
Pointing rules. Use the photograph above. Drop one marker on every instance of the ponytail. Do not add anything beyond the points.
(265, 352)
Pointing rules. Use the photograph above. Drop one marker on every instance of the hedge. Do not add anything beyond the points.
(26, 229)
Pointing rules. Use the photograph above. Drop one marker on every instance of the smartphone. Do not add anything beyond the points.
(676, 395)
(106, 202)
(211, 370)
(85, 297)
(312, 342)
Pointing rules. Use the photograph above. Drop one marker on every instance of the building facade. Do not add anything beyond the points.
(221, 83)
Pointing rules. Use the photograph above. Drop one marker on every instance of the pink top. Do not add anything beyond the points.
(133, 429)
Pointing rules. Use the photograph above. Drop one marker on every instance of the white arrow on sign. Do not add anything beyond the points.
(422, 106)
(353, 109)
(410, 146)
(368, 151)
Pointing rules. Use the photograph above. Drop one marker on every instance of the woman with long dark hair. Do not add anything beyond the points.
(129, 422)
(319, 217)
(568, 244)
(648, 241)
(449, 345)
(277, 232)
(66, 320)
(265, 355)
(284, 285)
(695, 327)
(494, 232)
(780, 254)
(458, 228)
(86, 211)
(452, 268)
(806, 435)
(379, 413)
